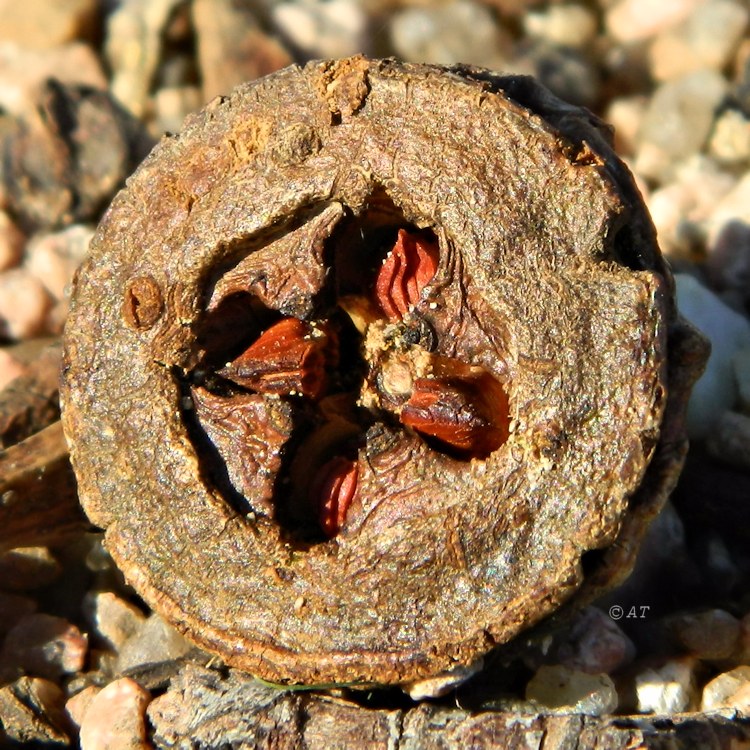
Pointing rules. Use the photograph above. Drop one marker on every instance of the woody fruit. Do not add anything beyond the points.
(395, 341)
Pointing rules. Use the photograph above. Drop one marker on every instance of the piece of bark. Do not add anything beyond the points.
(207, 709)
(32, 714)
(38, 498)
(30, 402)
(527, 256)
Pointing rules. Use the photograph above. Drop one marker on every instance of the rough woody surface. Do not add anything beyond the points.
(207, 709)
(547, 280)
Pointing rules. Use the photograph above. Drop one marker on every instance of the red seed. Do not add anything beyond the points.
(289, 357)
(469, 415)
(409, 267)
(333, 493)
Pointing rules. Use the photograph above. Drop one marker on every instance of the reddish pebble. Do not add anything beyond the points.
(45, 646)
(116, 718)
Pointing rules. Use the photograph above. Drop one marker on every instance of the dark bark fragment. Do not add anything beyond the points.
(32, 714)
(38, 498)
(284, 200)
(30, 402)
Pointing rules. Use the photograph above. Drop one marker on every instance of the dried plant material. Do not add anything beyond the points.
(405, 391)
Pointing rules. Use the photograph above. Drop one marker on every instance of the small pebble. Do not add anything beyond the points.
(173, 105)
(564, 25)
(133, 47)
(730, 139)
(53, 258)
(458, 31)
(46, 646)
(733, 206)
(567, 73)
(667, 689)
(32, 714)
(11, 242)
(24, 303)
(155, 642)
(116, 718)
(442, 684)
(77, 706)
(678, 122)
(630, 21)
(728, 690)
(625, 114)
(688, 200)
(593, 643)
(233, 48)
(113, 619)
(708, 38)
(729, 440)
(710, 635)
(10, 369)
(43, 25)
(569, 691)
(729, 332)
(23, 71)
(728, 261)
(337, 28)
(28, 568)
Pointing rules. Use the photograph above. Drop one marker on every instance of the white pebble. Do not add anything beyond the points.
(336, 28)
(635, 20)
(569, 691)
(442, 684)
(667, 689)
(730, 139)
(728, 690)
(678, 122)
(565, 25)
(729, 332)
(453, 32)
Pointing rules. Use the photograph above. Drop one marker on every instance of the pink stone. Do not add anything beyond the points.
(77, 706)
(24, 303)
(11, 242)
(23, 71)
(10, 368)
(116, 718)
(53, 258)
